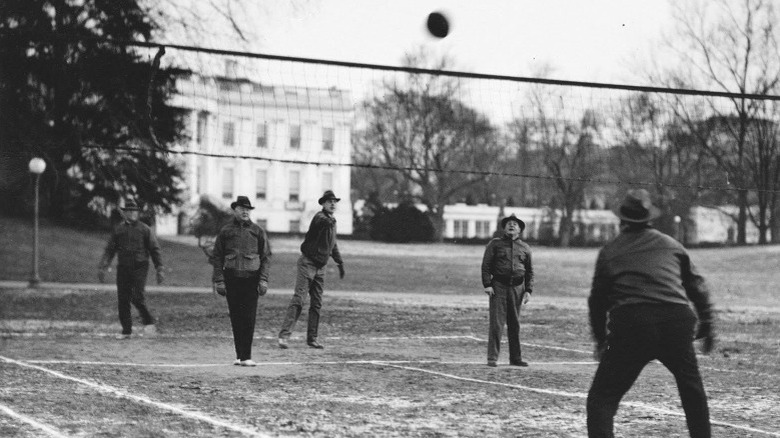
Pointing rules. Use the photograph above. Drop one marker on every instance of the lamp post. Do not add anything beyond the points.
(37, 166)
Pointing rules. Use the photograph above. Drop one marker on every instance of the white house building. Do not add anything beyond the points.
(262, 141)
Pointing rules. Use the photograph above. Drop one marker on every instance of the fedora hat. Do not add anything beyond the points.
(242, 201)
(327, 196)
(637, 207)
(130, 205)
(512, 218)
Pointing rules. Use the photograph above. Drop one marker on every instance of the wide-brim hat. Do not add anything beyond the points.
(637, 207)
(512, 218)
(327, 196)
(241, 201)
(130, 206)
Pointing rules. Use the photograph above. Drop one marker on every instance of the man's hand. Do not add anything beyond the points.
(262, 287)
(160, 275)
(526, 297)
(102, 275)
(341, 270)
(219, 287)
(489, 291)
(706, 333)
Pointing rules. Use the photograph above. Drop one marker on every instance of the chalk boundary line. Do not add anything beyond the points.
(197, 415)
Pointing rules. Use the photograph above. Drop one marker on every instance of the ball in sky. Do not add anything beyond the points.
(438, 25)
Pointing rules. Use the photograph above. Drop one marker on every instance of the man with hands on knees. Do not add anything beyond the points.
(507, 276)
(318, 246)
(640, 310)
(133, 242)
(241, 260)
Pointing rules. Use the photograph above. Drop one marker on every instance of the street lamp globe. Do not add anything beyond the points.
(37, 165)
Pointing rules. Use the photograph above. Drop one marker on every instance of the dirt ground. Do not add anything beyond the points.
(396, 365)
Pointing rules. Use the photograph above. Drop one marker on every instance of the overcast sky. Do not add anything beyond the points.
(594, 40)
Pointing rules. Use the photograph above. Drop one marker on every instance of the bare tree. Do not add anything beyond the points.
(436, 144)
(568, 151)
(729, 46)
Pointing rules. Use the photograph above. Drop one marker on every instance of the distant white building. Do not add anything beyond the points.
(269, 134)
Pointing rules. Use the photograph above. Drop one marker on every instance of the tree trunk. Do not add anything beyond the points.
(564, 231)
(742, 218)
(439, 225)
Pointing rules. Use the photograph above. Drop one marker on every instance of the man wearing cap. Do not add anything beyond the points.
(318, 245)
(241, 259)
(133, 242)
(643, 285)
(507, 276)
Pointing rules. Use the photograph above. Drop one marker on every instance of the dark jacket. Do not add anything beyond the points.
(242, 250)
(645, 266)
(133, 243)
(320, 241)
(508, 261)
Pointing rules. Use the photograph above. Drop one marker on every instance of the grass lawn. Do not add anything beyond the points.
(744, 276)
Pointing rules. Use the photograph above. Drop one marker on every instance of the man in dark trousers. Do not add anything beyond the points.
(133, 242)
(507, 276)
(318, 245)
(643, 285)
(241, 259)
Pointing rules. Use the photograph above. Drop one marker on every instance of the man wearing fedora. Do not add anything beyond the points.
(507, 276)
(241, 260)
(133, 242)
(318, 245)
(643, 285)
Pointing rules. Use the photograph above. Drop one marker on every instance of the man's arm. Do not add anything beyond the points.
(597, 303)
(218, 260)
(697, 291)
(264, 249)
(529, 274)
(109, 252)
(487, 262)
(153, 246)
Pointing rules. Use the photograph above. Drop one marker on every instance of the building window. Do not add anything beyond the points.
(461, 228)
(295, 137)
(201, 132)
(229, 134)
(327, 139)
(295, 226)
(295, 186)
(262, 135)
(483, 229)
(261, 184)
(327, 181)
(198, 180)
(227, 183)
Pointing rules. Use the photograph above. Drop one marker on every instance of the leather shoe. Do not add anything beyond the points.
(492, 363)
(519, 363)
(282, 343)
(315, 344)
(248, 363)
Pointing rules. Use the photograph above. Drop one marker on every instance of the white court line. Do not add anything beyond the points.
(260, 364)
(32, 422)
(579, 395)
(122, 394)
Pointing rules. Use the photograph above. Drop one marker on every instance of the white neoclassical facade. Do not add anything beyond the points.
(261, 141)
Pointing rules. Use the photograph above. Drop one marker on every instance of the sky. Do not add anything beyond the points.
(594, 40)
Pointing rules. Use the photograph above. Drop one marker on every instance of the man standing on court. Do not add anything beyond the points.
(133, 242)
(643, 285)
(507, 276)
(241, 259)
(318, 245)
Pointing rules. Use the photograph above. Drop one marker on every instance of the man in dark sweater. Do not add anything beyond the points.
(133, 242)
(318, 245)
(643, 285)
(241, 261)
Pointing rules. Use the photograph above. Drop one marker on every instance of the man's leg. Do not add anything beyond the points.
(678, 355)
(497, 318)
(298, 300)
(248, 303)
(315, 293)
(234, 310)
(513, 302)
(139, 286)
(124, 289)
(619, 368)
